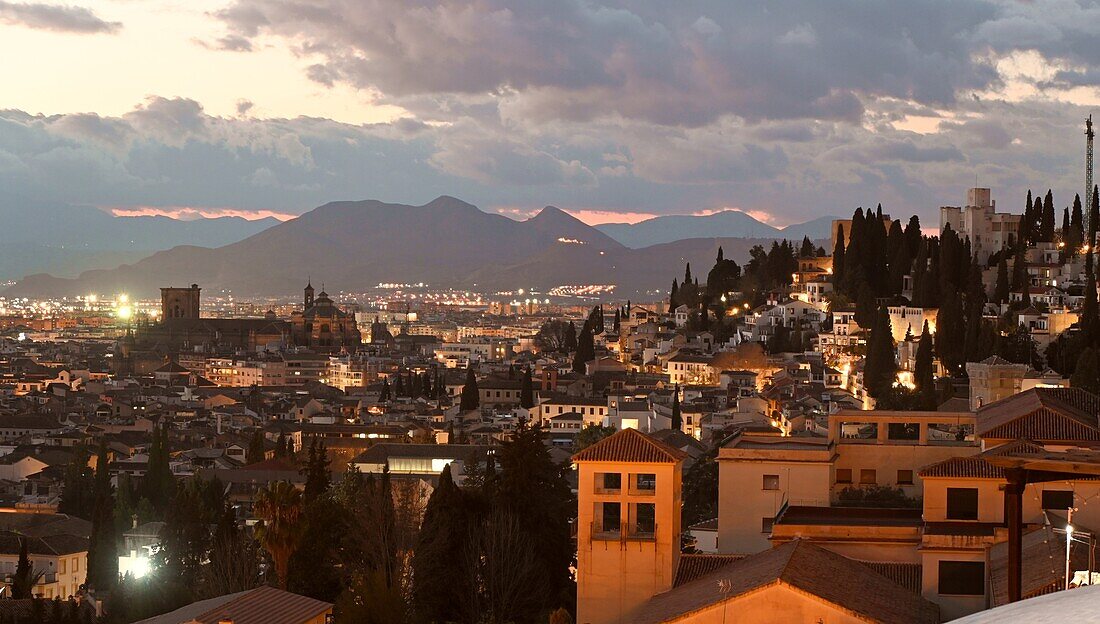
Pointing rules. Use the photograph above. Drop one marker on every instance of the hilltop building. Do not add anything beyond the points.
(988, 230)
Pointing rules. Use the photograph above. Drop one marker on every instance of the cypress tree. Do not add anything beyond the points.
(922, 375)
(838, 256)
(913, 234)
(618, 320)
(1048, 218)
(384, 395)
(255, 447)
(687, 273)
(1027, 220)
(1086, 374)
(470, 398)
(316, 471)
(527, 392)
(880, 369)
(1002, 288)
(281, 445)
(900, 266)
(677, 420)
(102, 546)
(721, 256)
(441, 543)
(398, 385)
(975, 303)
(672, 296)
(950, 333)
(159, 484)
(586, 349)
(571, 337)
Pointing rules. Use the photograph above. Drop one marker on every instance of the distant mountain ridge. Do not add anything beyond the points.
(724, 224)
(355, 245)
(64, 239)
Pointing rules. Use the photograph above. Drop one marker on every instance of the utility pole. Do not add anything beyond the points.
(1089, 135)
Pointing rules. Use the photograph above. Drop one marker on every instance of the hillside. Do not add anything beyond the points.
(724, 224)
(447, 242)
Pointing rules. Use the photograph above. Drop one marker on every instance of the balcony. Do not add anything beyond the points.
(624, 531)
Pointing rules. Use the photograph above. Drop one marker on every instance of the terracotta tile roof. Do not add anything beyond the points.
(263, 605)
(693, 566)
(963, 467)
(1044, 561)
(834, 579)
(631, 445)
(1042, 414)
(908, 575)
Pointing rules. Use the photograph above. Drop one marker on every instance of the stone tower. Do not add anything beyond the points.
(180, 302)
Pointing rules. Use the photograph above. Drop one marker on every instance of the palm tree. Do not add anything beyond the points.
(279, 507)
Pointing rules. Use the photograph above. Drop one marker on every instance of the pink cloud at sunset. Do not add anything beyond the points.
(184, 213)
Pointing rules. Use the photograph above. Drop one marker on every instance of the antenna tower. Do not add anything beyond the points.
(1089, 134)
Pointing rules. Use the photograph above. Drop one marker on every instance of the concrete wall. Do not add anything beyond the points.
(615, 576)
(743, 502)
(775, 604)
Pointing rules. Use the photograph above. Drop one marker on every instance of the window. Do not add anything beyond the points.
(61, 566)
(766, 525)
(610, 517)
(645, 518)
(905, 477)
(608, 482)
(962, 578)
(903, 431)
(1057, 499)
(962, 503)
(771, 482)
(843, 475)
(868, 477)
(646, 482)
(76, 564)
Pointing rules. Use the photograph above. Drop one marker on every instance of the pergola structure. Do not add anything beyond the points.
(1024, 462)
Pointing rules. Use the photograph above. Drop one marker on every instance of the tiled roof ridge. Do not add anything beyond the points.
(617, 447)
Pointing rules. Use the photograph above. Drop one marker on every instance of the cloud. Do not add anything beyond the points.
(655, 61)
(41, 16)
(615, 111)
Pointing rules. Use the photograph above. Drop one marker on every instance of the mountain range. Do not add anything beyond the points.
(727, 223)
(55, 238)
(353, 246)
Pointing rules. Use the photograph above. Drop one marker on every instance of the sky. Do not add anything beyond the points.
(788, 110)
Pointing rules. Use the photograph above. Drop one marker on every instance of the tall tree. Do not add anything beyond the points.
(527, 391)
(436, 587)
(880, 369)
(279, 508)
(1086, 374)
(316, 472)
(159, 484)
(1049, 225)
(586, 349)
(470, 398)
(838, 255)
(256, 447)
(677, 420)
(1002, 288)
(102, 545)
(923, 375)
(25, 578)
(950, 333)
(77, 491)
(975, 304)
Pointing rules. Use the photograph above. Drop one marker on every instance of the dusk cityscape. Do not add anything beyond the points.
(549, 312)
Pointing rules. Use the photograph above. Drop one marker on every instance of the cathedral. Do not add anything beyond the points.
(323, 326)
